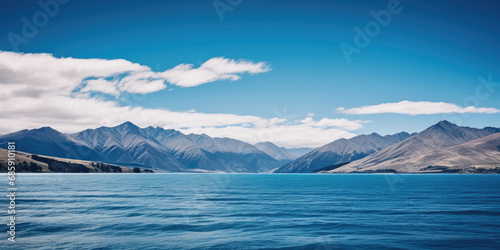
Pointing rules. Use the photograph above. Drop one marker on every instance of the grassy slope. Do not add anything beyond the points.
(42, 166)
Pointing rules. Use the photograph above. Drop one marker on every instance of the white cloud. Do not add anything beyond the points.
(337, 123)
(39, 73)
(101, 85)
(416, 108)
(143, 86)
(142, 82)
(341, 123)
(26, 74)
(219, 68)
(40, 90)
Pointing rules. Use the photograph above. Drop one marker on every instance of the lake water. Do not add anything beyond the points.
(254, 211)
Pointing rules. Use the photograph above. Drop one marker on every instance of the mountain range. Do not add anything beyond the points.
(443, 147)
(340, 151)
(157, 148)
(284, 155)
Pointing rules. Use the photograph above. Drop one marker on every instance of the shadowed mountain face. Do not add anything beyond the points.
(129, 145)
(279, 153)
(340, 151)
(234, 155)
(47, 141)
(298, 152)
(422, 150)
(492, 130)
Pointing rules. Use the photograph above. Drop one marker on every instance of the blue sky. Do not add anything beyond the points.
(431, 51)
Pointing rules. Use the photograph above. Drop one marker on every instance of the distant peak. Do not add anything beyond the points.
(363, 136)
(127, 124)
(402, 133)
(445, 122)
(151, 128)
(443, 126)
(264, 143)
(46, 129)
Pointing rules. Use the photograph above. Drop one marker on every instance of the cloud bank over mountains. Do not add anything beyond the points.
(42, 90)
(71, 94)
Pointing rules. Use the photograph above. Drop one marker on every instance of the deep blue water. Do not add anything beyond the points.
(254, 211)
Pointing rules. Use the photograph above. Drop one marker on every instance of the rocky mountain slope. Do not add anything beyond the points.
(441, 145)
(157, 148)
(340, 151)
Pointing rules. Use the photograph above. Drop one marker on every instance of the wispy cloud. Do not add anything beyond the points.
(41, 90)
(336, 123)
(214, 69)
(416, 108)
